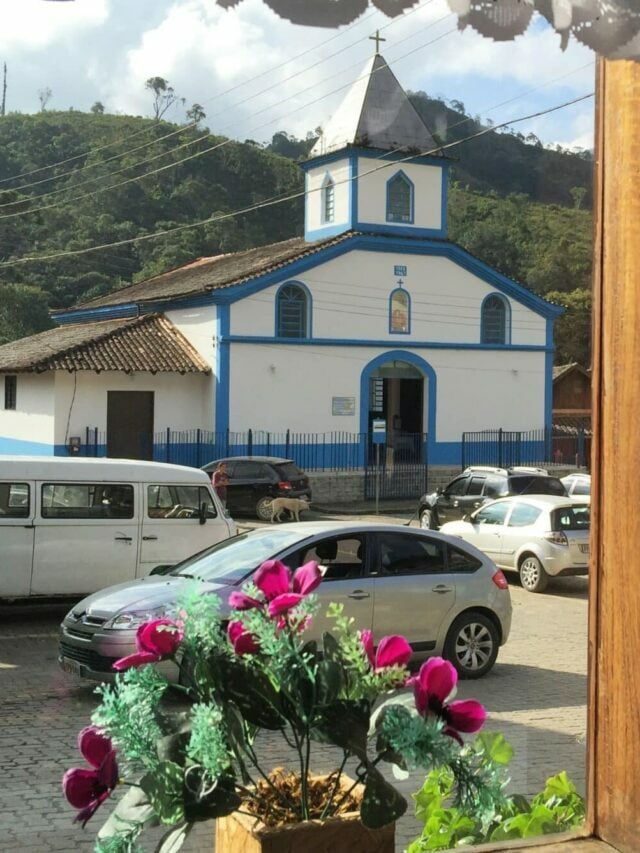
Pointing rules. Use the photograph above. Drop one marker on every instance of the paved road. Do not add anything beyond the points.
(535, 695)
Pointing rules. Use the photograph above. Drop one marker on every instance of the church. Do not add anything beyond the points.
(372, 315)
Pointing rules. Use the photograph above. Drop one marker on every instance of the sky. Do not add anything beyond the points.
(255, 73)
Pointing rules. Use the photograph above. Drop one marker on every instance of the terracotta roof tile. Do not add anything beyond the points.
(149, 344)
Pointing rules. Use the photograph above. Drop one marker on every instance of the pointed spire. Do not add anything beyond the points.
(376, 113)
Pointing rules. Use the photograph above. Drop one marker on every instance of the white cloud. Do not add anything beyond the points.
(32, 25)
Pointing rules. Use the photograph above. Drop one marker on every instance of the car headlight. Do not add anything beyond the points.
(129, 619)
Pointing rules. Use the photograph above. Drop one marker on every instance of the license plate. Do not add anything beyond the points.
(70, 666)
(584, 549)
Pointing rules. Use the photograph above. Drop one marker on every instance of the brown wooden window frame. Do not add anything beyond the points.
(10, 392)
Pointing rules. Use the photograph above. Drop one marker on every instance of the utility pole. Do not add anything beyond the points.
(4, 90)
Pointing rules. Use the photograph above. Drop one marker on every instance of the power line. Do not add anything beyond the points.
(291, 196)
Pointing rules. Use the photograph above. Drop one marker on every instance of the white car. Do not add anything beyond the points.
(539, 536)
(578, 487)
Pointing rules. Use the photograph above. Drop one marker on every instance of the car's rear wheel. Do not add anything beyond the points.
(263, 509)
(472, 645)
(532, 574)
(427, 519)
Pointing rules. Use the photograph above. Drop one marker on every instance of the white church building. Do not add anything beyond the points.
(373, 314)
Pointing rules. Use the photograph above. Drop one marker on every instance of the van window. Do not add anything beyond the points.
(82, 500)
(14, 500)
(169, 501)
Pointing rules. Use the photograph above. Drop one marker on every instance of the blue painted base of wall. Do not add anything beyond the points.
(17, 447)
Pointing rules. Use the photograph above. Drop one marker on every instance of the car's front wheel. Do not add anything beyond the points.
(427, 519)
(263, 509)
(472, 645)
(532, 574)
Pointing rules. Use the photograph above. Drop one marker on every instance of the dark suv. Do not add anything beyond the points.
(255, 480)
(479, 485)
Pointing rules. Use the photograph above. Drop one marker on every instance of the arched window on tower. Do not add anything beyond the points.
(328, 199)
(494, 325)
(293, 312)
(399, 199)
(399, 312)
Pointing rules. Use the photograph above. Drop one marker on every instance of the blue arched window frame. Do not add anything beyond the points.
(488, 323)
(394, 215)
(328, 200)
(407, 295)
(293, 311)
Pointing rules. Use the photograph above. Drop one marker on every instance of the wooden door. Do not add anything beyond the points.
(130, 424)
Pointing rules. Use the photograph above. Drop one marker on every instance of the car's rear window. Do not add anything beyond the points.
(288, 471)
(571, 518)
(528, 485)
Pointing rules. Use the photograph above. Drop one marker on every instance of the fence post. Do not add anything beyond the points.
(500, 448)
(464, 450)
(167, 451)
(286, 445)
(268, 444)
(198, 447)
(581, 453)
(226, 442)
(250, 442)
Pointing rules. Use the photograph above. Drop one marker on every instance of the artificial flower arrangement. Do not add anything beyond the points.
(254, 670)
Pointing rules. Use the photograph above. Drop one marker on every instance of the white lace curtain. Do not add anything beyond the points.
(610, 27)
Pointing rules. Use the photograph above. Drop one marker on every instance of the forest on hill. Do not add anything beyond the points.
(518, 206)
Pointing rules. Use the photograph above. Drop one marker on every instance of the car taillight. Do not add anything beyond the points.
(499, 580)
(284, 485)
(557, 537)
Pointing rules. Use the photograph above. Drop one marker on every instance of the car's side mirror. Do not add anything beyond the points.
(203, 512)
(440, 490)
(466, 517)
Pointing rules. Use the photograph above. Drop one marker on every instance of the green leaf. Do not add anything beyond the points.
(134, 807)
(173, 840)
(329, 682)
(252, 692)
(346, 724)
(211, 801)
(163, 787)
(381, 803)
(559, 786)
(495, 747)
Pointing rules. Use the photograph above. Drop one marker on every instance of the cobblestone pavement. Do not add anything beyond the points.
(536, 695)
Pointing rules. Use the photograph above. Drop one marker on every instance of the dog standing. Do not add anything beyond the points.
(294, 506)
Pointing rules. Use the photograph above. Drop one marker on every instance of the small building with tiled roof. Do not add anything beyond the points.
(372, 315)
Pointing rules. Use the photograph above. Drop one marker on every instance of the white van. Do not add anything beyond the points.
(73, 526)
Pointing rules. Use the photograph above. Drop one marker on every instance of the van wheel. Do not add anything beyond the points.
(263, 509)
(532, 574)
(472, 645)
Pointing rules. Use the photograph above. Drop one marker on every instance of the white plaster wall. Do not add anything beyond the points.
(32, 419)
(275, 387)
(180, 402)
(350, 296)
(427, 192)
(339, 172)
(198, 325)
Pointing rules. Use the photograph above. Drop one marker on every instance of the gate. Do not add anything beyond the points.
(403, 468)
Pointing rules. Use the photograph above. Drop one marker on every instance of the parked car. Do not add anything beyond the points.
(539, 537)
(578, 487)
(477, 486)
(446, 597)
(255, 480)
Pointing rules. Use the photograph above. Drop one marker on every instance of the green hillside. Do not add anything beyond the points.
(514, 204)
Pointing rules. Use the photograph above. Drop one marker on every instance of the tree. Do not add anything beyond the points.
(164, 96)
(44, 96)
(578, 195)
(573, 329)
(23, 311)
(196, 114)
(98, 108)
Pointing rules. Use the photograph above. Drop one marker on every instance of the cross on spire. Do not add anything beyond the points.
(377, 39)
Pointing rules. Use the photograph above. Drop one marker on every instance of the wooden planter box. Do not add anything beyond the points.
(240, 833)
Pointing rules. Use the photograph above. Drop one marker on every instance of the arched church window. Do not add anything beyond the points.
(293, 312)
(328, 199)
(400, 312)
(494, 321)
(399, 199)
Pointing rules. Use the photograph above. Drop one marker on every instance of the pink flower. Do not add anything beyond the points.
(154, 640)
(392, 651)
(281, 590)
(88, 789)
(432, 687)
(243, 642)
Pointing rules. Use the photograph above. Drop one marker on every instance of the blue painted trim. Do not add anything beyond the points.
(327, 181)
(408, 295)
(548, 375)
(429, 374)
(308, 311)
(507, 316)
(374, 154)
(109, 312)
(223, 368)
(326, 231)
(18, 447)
(365, 342)
(412, 198)
(399, 230)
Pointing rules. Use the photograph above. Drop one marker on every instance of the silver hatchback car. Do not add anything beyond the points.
(446, 597)
(538, 536)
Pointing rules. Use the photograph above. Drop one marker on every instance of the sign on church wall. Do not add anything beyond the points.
(343, 405)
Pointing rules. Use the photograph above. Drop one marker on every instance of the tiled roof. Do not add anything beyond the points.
(572, 424)
(562, 369)
(216, 272)
(149, 344)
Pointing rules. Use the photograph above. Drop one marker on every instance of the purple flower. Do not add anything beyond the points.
(281, 590)
(432, 686)
(154, 640)
(243, 642)
(392, 651)
(86, 790)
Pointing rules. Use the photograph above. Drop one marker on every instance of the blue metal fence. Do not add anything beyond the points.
(504, 448)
